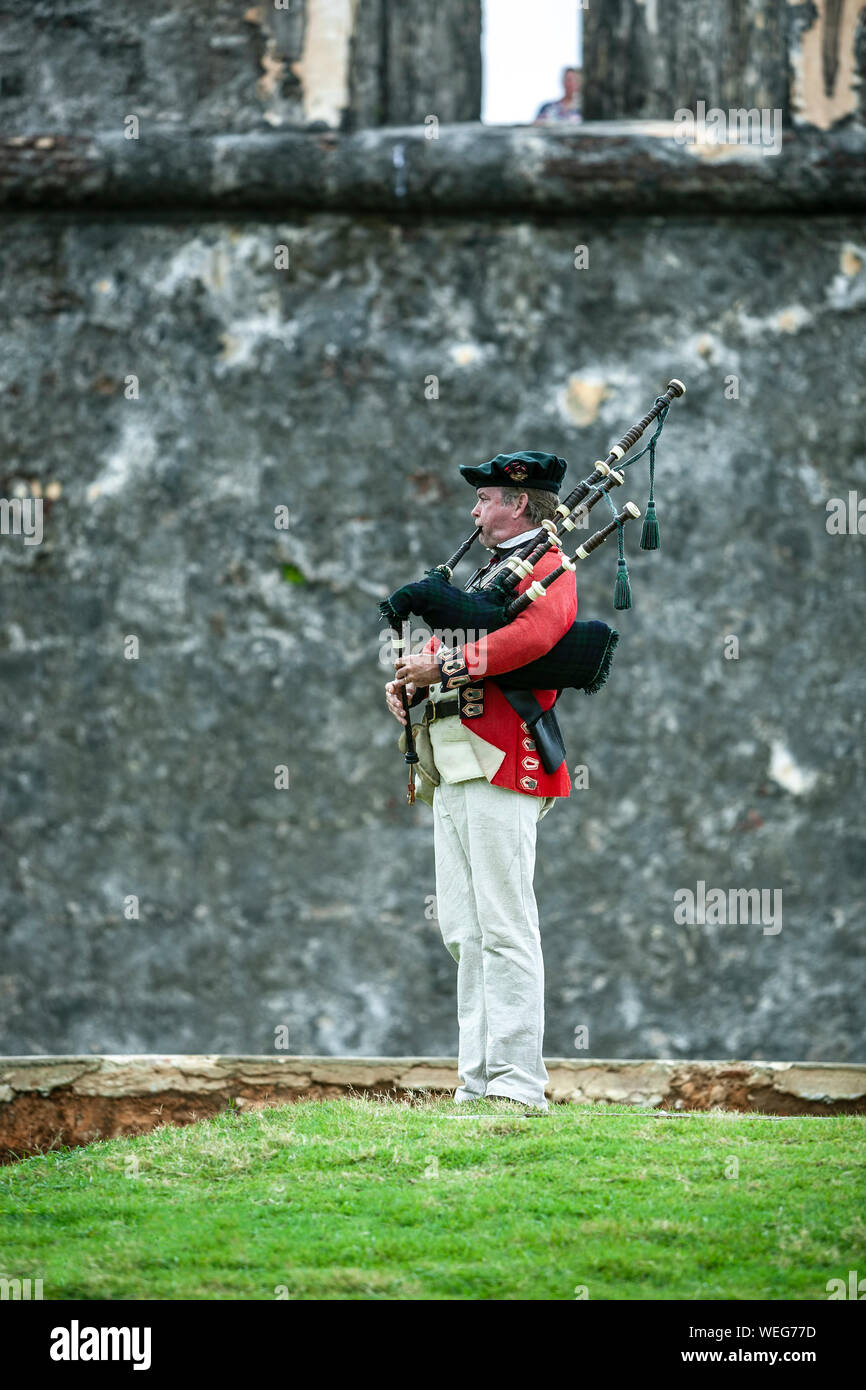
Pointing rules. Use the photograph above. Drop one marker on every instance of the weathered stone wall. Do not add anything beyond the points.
(806, 58)
(73, 65)
(411, 59)
(310, 908)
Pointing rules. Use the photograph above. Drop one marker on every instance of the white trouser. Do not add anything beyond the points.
(484, 841)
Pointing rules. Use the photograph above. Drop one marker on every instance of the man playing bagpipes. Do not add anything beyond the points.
(493, 790)
(489, 749)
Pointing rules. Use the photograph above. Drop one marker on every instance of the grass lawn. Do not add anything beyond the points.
(360, 1199)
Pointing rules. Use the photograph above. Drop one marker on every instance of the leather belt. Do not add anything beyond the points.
(441, 709)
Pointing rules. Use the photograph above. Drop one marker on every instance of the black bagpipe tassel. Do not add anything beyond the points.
(622, 591)
(649, 536)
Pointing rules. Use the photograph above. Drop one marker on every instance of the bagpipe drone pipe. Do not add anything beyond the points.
(581, 659)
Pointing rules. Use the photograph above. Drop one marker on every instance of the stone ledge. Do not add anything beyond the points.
(632, 167)
(50, 1101)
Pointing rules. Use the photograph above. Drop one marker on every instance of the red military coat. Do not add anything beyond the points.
(532, 633)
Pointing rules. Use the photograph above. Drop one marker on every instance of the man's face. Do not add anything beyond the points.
(572, 84)
(498, 519)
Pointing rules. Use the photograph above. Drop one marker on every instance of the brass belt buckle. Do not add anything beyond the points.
(430, 712)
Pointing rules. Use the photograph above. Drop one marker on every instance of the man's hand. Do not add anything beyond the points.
(419, 671)
(392, 696)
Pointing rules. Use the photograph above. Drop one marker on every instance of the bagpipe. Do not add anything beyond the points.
(581, 659)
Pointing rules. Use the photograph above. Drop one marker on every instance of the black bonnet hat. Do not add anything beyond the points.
(528, 469)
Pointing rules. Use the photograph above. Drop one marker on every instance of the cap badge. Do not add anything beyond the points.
(516, 470)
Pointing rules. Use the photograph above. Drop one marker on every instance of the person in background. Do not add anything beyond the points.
(568, 108)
